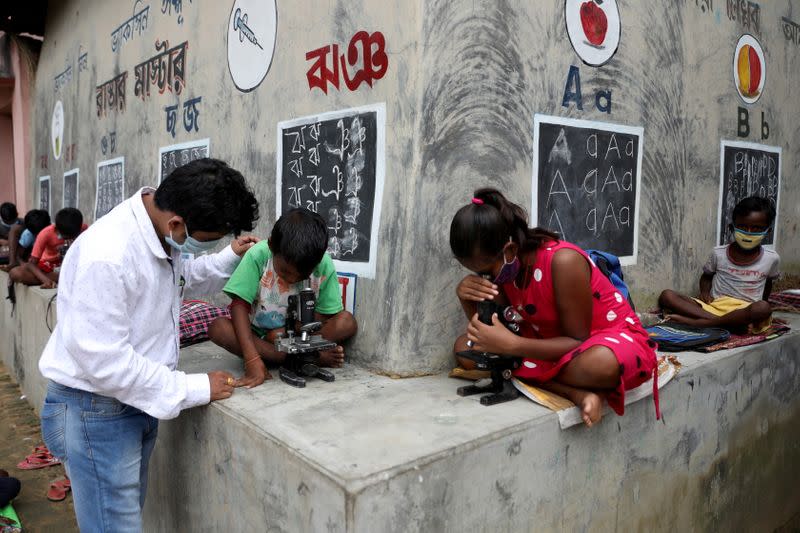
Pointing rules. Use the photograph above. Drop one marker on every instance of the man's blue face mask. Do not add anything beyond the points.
(26, 239)
(191, 245)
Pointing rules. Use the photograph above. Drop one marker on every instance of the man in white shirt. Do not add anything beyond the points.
(112, 357)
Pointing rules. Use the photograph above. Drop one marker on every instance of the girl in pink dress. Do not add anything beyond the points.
(579, 337)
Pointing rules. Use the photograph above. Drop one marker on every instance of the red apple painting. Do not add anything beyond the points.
(594, 29)
(594, 22)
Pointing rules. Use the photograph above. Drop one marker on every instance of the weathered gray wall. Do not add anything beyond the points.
(464, 81)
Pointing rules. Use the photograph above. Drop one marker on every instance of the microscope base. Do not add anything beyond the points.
(294, 373)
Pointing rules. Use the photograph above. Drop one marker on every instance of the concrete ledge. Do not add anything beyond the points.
(368, 453)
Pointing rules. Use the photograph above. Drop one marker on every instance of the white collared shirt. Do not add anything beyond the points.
(119, 297)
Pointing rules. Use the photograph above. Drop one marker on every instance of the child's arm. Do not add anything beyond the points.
(573, 301)
(767, 289)
(705, 286)
(255, 373)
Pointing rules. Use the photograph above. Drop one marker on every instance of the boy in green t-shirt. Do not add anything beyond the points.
(260, 287)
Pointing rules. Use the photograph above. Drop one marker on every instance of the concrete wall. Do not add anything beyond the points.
(463, 84)
(367, 453)
(24, 334)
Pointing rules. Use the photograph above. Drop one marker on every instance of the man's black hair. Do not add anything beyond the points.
(8, 212)
(68, 222)
(209, 196)
(36, 220)
(300, 237)
(754, 204)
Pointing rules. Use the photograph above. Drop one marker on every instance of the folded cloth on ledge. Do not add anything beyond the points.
(569, 415)
(775, 330)
(788, 300)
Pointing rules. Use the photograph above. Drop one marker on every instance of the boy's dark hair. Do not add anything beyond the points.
(36, 220)
(8, 212)
(300, 237)
(209, 196)
(754, 204)
(482, 228)
(68, 222)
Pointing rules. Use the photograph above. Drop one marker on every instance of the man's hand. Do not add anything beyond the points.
(49, 284)
(495, 338)
(255, 373)
(221, 385)
(476, 289)
(241, 244)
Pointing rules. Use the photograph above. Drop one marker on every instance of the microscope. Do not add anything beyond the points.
(500, 367)
(300, 344)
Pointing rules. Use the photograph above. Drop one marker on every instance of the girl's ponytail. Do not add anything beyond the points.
(484, 225)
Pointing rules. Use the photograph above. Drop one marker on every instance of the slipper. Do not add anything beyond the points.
(58, 490)
(38, 460)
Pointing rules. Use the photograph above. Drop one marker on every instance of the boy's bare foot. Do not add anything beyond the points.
(333, 358)
(685, 320)
(591, 406)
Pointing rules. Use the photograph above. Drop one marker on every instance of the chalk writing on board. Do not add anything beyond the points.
(177, 155)
(333, 165)
(110, 189)
(586, 183)
(44, 193)
(70, 190)
(747, 169)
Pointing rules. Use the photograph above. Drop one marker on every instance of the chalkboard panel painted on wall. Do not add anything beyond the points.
(177, 155)
(69, 196)
(110, 189)
(747, 169)
(587, 181)
(333, 164)
(44, 193)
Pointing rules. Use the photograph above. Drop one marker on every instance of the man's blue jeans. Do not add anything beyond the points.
(105, 446)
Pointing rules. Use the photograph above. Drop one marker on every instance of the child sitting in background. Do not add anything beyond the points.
(737, 279)
(9, 223)
(49, 249)
(22, 237)
(260, 286)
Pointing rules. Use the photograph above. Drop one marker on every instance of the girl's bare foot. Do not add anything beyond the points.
(333, 358)
(591, 406)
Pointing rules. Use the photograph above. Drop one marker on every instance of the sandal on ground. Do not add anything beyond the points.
(58, 489)
(38, 460)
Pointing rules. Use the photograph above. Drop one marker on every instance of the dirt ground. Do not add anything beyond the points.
(19, 433)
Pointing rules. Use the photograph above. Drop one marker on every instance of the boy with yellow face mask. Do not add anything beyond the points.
(737, 278)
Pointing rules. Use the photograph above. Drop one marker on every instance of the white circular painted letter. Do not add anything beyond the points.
(57, 130)
(594, 29)
(252, 29)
